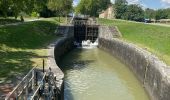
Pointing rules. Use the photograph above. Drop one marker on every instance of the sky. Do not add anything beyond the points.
(154, 4)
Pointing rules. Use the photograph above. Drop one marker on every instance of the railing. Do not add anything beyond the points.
(22, 89)
(35, 86)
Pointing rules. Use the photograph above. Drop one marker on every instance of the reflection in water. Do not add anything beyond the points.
(95, 75)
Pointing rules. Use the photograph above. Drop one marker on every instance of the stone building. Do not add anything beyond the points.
(109, 13)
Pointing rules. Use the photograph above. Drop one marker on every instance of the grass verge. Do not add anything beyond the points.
(22, 47)
(155, 38)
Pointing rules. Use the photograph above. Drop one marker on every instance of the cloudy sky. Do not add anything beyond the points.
(155, 4)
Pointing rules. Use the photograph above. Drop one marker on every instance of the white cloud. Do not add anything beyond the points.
(165, 3)
(133, 1)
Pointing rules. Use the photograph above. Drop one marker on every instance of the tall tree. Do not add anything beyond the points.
(5, 6)
(121, 7)
(161, 14)
(60, 6)
(92, 7)
(17, 6)
(134, 12)
(150, 13)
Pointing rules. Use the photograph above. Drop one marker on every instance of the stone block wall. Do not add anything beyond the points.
(56, 50)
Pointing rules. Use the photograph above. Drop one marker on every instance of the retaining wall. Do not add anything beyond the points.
(56, 50)
(152, 73)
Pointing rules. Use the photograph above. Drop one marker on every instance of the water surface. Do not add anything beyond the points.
(96, 75)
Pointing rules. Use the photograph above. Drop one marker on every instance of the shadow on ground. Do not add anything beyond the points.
(18, 45)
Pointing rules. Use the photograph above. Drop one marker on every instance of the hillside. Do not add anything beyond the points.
(154, 38)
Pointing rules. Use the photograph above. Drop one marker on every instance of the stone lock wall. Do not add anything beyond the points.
(151, 72)
(56, 50)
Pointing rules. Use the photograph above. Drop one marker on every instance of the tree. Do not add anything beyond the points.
(161, 14)
(121, 7)
(92, 7)
(134, 12)
(150, 13)
(17, 6)
(168, 12)
(60, 6)
(5, 6)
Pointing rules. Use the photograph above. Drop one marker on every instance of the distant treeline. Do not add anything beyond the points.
(122, 10)
(136, 13)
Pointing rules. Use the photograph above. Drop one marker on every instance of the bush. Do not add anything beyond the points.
(34, 14)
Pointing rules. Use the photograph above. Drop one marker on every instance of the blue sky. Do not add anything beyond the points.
(154, 4)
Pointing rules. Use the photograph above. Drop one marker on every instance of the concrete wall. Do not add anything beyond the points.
(152, 73)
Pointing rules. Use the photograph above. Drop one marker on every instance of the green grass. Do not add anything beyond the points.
(154, 38)
(8, 21)
(23, 47)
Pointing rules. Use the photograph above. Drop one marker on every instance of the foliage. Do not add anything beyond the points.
(150, 13)
(47, 12)
(162, 14)
(34, 14)
(60, 6)
(134, 12)
(128, 12)
(121, 7)
(4, 6)
(92, 7)
(18, 6)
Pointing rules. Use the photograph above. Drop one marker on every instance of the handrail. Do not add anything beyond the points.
(36, 91)
(12, 93)
(30, 83)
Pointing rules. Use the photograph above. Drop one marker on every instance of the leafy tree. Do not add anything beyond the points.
(60, 6)
(92, 7)
(121, 7)
(17, 6)
(134, 12)
(150, 13)
(161, 14)
(168, 12)
(5, 6)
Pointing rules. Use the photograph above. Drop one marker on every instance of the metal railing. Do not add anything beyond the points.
(35, 86)
(21, 91)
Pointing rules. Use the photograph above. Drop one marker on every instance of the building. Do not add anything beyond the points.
(109, 13)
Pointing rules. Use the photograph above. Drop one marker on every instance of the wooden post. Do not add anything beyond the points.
(26, 92)
(43, 65)
(33, 78)
(36, 75)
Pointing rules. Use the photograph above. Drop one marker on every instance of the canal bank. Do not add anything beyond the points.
(153, 73)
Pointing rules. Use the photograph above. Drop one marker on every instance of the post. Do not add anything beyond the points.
(36, 75)
(43, 65)
(26, 90)
(33, 78)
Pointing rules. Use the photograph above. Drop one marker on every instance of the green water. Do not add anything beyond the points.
(96, 75)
